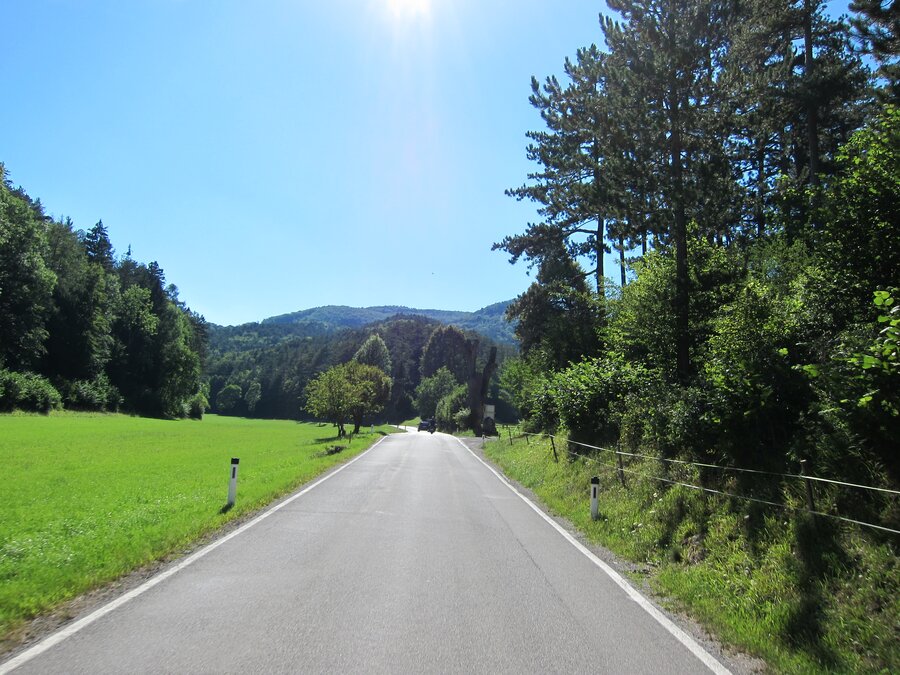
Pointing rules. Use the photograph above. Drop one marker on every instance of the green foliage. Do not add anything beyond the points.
(432, 389)
(228, 399)
(453, 410)
(351, 390)
(252, 396)
(26, 283)
(371, 390)
(105, 332)
(374, 352)
(885, 353)
(520, 380)
(446, 348)
(557, 317)
(28, 392)
(97, 394)
(198, 405)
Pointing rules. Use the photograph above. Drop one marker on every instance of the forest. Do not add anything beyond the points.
(747, 160)
(267, 367)
(84, 329)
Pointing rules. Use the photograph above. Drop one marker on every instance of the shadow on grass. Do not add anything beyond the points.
(226, 508)
(819, 557)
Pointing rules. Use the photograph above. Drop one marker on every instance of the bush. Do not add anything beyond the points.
(450, 408)
(27, 391)
(197, 406)
(97, 394)
(591, 398)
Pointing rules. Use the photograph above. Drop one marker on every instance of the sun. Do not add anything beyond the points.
(409, 9)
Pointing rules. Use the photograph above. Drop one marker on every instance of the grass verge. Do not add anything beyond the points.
(90, 497)
(808, 597)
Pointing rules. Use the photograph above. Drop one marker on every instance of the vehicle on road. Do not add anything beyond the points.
(428, 425)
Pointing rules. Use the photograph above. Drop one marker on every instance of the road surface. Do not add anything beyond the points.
(413, 558)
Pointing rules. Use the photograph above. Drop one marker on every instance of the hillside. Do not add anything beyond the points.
(488, 321)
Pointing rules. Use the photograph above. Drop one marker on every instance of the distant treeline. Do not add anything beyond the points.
(272, 363)
(82, 328)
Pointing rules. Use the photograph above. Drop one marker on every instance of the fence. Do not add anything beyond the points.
(808, 480)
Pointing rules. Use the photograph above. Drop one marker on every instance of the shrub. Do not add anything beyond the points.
(97, 394)
(450, 408)
(27, 391)
(198, 405)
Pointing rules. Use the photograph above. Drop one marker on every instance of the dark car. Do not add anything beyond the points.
(427, 425)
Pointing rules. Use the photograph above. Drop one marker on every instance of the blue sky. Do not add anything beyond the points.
(284, 154)
(278, 155)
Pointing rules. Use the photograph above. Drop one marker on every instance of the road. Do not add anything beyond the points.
(415, 557)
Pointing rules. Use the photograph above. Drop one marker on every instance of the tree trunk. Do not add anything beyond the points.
(760, 188)
(812, 115)
(478, 386)
(622, 258)
(599, 246)
(679, 236)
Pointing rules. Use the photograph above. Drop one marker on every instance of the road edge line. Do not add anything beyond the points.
(68, 631)
(692, 645)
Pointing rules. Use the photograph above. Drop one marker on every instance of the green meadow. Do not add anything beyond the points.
(87, 498)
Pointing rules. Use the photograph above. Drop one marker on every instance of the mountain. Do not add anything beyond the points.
(489, 321)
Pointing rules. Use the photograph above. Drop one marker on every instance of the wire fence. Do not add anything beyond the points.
(808, 480)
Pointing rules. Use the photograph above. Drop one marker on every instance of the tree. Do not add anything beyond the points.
(432, 389)
(557, 317)
(479, 382)
(573, 185)
(663, 63)
(329, 397)
(26, 283)
(228, 399)
(877, 24)
(374, 352)
(349, 391)
(252, 396)
(371, 390)
(79, 326)
(98, 246)
(446, 347)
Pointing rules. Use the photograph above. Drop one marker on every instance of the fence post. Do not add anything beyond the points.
(621, 470)
(553, 445)
(810, 501)
(595, 488)
(509, 431)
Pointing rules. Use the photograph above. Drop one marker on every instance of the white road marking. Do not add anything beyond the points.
(708, 659)
(68, 631)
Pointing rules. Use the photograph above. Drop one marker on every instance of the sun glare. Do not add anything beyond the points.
(409, 9)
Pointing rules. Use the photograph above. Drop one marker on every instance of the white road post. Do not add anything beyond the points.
(595, 489)
(232, 485)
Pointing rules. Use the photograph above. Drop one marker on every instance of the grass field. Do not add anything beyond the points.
(87, 498)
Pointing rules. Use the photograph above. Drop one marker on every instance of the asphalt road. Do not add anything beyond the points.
(413, 558)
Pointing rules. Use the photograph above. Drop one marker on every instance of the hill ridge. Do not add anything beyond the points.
(489, 320)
